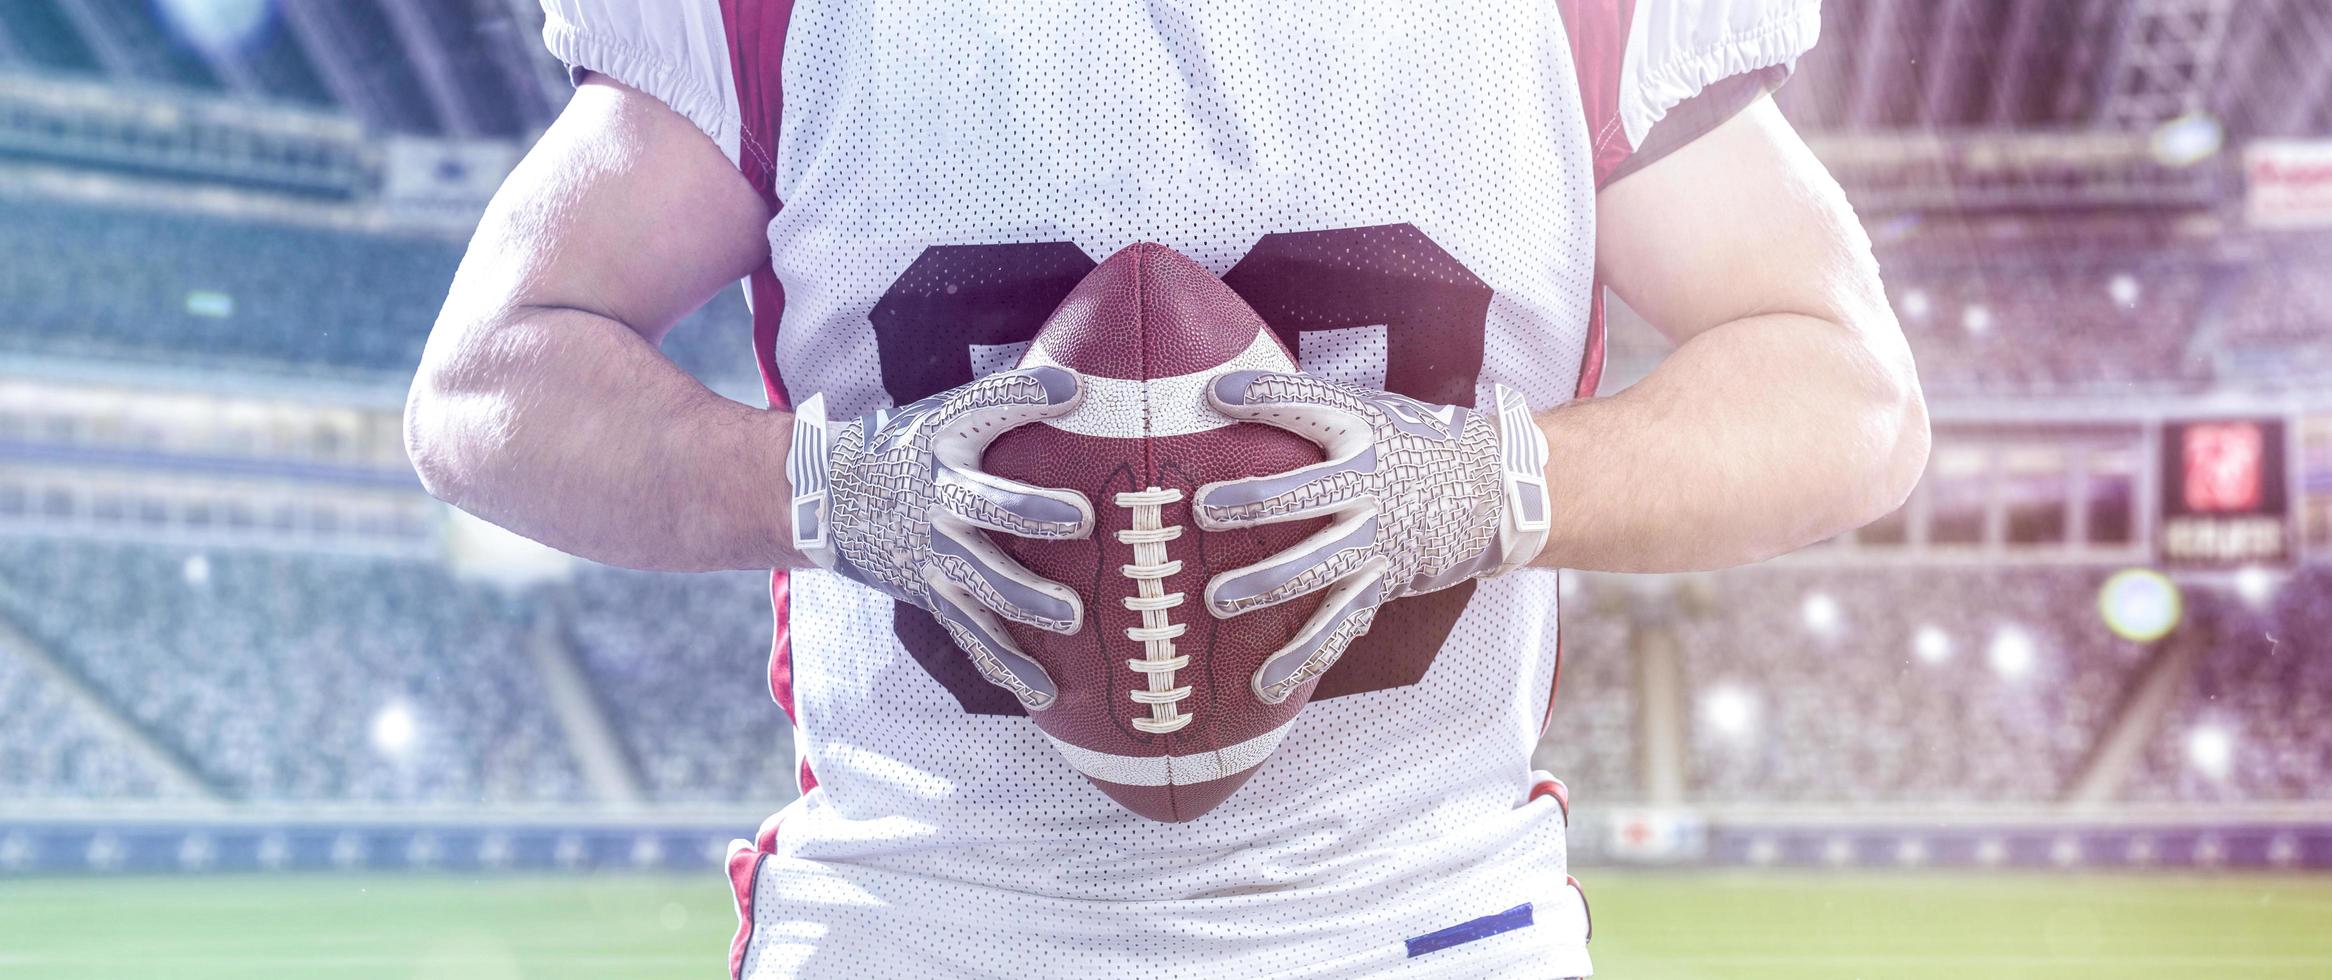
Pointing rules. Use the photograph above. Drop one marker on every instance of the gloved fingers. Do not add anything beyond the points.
(973, 416)
(1301, 493)
(1012, 507)
(1332, 554)
(1344, 614)
(983, 638)
(1333, 415)
(963, 559)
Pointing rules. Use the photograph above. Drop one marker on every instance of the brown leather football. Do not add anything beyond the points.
(1157, 705)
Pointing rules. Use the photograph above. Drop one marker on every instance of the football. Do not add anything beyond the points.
(1157, 704)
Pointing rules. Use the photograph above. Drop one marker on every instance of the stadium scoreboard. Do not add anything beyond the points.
(2226, 494)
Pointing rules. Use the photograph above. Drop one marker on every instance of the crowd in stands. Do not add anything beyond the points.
(2025, 328)
(2278, 317)
(2251, 721)
(1910, 685)
(51, 748)
(298, 678)
(1590, 741)
(117, 284)
(308, 678)
(305, 677)
(140, 286)
(683, 663)
(273, 676)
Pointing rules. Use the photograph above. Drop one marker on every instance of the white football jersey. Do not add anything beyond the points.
(1406, 194)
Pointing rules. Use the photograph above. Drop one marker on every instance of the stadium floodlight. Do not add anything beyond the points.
(217, 26)
(1977, 319)
(2140, 605)
(1730, 711)
(2255, 585)
(394, 729)
(1916, 304)
(1932, 644)
(2211, 750)
(2124, 289)
(2013, 652)
(2187, 140)
(196, 570)
(1821, 614)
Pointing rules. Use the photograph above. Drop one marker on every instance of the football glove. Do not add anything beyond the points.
(896, 499)
(1421, 497)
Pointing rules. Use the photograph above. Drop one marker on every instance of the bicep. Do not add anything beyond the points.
(623, 209)
(1740, 222)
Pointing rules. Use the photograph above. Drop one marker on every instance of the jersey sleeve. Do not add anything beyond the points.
(1678, 49)
(675, 50)
(1655, 74)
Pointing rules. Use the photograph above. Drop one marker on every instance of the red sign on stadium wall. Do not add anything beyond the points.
(2288, 183)
(2224, 496)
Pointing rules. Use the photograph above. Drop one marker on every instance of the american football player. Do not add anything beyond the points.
(1425, 201)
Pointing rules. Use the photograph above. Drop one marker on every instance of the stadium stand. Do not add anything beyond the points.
(197, 291)
(297, 677)
(1920, 685)
(2251, 724)
(1590, 742)
(148, 287)
(2277, 320)
(1805, 685)
(682, 661)
(49, 749)
(1976, 328)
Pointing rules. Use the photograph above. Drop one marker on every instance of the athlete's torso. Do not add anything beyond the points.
(1404, 192)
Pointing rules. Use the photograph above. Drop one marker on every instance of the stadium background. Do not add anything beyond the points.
(266, 709)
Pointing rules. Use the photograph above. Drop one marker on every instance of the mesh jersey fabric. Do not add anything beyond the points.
(1406, 194)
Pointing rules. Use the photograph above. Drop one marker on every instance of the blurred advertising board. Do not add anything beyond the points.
(1657, 836)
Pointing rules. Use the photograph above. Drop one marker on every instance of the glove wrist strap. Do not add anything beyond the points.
(806, 465)
(1522, 451)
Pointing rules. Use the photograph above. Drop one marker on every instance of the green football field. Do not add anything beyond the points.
(1648, 925)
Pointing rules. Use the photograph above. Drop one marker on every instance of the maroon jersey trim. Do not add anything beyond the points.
(756, 35)
(1598, 32)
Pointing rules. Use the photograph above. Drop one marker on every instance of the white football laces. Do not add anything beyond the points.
(1149, 570)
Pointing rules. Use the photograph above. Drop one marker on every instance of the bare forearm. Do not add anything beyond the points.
(1753, 439)
(569, 428)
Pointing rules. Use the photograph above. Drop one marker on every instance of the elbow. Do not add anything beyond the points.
(447, 418)
(1900, 442)
(426, 444)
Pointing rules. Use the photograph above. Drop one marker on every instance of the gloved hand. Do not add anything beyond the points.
(895, 500)
(1422, 496)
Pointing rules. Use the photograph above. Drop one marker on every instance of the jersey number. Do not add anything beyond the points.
(1382, 306)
